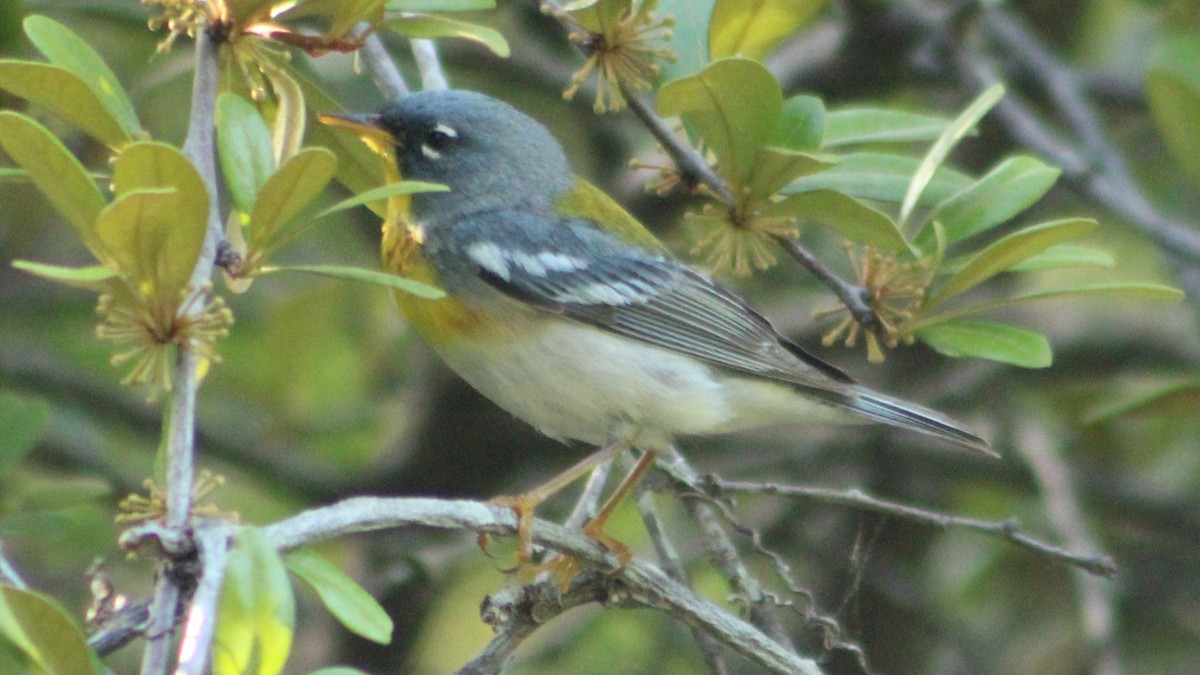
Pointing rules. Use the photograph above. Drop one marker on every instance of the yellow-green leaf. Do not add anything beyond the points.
(151, 243)
(65, 95)
(365, 276)
(734, 105)
(406, 187)
(45, 633)
(257, 613)
(992, 341)
(752, 28)
(776, 167)
(287, 129)
(80, 277)
(67, 50)
(431, 26)
(944, 144)
(294, 186)
(845, 215)
(345, 599)
(244, 145)
(1004, 253)
(56, 172)
(1065, 255)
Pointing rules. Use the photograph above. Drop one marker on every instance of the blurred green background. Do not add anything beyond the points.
(322, 393)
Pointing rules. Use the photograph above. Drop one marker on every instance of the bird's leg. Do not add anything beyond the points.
(594, 528)
(524, 504)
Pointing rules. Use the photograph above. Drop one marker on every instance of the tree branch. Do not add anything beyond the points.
(384, 72)
(213, 539)
(1008, 530)
(647, 586)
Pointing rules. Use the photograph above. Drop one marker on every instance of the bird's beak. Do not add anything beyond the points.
(367, 127)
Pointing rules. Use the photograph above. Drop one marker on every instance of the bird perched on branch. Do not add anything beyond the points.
(564, 310)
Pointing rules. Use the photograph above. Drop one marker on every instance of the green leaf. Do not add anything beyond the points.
(992, 341)
(92, 278)
(689, 37)
(405, 187)
(845, 215)
(776, 167)
(45, 633)
(752, 28)
(294, 186)
(1174, 104)
(22, 421)
(56, 172)
(67, 50)
(365, 276)
(734, 105)
(880, 177)
(244, 142)
(430, 26)
(150, 165)
(65, 95)
(257, 614)
(144, 233)
(1175, 397)
(880, 125)
(1007, 252)
(1065, 255)
(944, 144)
(801, 124)
(345, 599)
(1008, 189)
(359, 168)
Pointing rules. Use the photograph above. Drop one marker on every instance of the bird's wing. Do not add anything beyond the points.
(582, 274)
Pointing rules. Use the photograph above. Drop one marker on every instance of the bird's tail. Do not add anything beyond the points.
(916, 418)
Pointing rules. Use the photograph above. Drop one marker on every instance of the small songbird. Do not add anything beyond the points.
(566, 311)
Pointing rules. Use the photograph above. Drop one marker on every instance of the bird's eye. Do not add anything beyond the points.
(438, 139)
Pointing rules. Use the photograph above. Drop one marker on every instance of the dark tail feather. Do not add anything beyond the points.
(910, 416)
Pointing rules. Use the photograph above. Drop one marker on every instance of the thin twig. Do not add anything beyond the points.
(855, 298)
(384, 72)
(1066, 515)
(8, 574)
(668, 558)
(1008, 530)
(195, 647)
(647, 586)
(180, 429)
(589, 499)
(433, 78)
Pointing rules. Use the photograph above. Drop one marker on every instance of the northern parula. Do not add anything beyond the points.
(567, 312)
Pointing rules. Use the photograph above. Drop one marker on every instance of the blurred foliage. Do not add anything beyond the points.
(901, 182)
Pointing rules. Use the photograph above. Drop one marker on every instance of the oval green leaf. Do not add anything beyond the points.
(945, 142)
(294, 186)
(776, 167)
(244, 147)
(430, 27)
(992, 341)
(45, 633)
(801, 124)
(880, 177)
(752, 28)
(291, 116)
(151, 243)
(65, 95)
(56, 172)
(1008, 189)
(345, 599)
(257, 613)
(1009, 251)
(364, 276)
(67, 50)
(880, 125)
(845, 215)
(734, 105)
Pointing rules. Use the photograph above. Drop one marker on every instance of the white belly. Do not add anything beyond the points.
(575, 382)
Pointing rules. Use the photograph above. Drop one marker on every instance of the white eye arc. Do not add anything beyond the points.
(437, 140)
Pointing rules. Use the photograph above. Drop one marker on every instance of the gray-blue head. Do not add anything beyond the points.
(490, 154)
